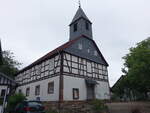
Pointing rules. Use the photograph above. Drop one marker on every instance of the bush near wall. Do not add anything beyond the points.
(99, 106)
(13, 101)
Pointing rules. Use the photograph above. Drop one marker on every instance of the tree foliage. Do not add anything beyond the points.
(136, 71)
(9, 65)
(137, 65)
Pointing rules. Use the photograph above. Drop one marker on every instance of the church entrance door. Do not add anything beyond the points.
(90, 91)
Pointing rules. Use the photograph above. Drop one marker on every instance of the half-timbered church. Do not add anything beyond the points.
(75, 71)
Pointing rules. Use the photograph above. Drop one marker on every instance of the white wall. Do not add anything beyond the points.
(74, 82)
(44, 96)
(102, 90)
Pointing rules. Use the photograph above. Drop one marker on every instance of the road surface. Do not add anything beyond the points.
(127, 107)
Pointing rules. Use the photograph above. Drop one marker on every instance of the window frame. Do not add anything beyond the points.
(50, 88)
(27, 91)
(75, 90)
(37, 91)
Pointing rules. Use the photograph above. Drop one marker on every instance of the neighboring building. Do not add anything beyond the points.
(76, 70)
(7, 85)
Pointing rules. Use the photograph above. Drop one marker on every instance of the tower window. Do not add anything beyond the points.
(87, 26)
(75, 27)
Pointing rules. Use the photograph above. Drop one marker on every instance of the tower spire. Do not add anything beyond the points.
(80, 25)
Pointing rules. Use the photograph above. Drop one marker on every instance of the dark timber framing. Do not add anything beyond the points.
(83, 67)
(61, 79)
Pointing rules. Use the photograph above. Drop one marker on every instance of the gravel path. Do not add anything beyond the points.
(128, 106)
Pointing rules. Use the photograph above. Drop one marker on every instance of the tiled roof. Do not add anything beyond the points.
(48, 55)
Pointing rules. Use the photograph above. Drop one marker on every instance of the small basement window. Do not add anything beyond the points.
(75, 27)
(75, 92)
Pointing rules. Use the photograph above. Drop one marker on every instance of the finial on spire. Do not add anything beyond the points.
(79, 3)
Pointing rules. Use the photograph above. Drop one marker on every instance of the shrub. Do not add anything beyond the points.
(98, 105)
(1, 101)
(14, 100)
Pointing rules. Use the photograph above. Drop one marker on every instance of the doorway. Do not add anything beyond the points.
(90, 92)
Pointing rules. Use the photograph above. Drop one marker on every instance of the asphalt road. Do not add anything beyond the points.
(127, 107)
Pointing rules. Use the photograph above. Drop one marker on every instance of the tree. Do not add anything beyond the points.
(9, 65)
(137, 67)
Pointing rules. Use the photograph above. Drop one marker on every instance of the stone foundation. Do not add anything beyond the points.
(70, 107)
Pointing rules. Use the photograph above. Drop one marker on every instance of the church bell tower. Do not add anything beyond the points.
(80, 25)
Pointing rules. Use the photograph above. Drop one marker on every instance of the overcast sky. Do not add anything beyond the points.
(32, 28)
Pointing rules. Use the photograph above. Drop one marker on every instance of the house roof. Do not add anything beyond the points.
(117, 82)
(79, 14)
(7, 77)
(57, 51)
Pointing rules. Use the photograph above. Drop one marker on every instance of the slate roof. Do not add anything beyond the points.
(57, 51)
(80, 14)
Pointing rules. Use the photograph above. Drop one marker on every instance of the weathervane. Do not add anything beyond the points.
(79, 3)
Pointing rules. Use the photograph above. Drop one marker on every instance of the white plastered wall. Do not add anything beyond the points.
(74, 82)
(44, 96)
(102, 90)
